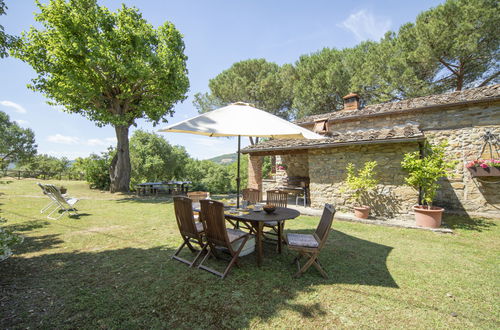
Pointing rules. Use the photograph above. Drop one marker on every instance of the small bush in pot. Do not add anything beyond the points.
(360, 183)
(424, 172)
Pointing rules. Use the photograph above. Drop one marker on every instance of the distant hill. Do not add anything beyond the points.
(225, 159)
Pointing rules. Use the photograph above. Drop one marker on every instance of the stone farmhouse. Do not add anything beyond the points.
(385, 132)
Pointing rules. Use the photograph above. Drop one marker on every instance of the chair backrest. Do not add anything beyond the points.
(183, 208)
(212, 216)
(277, 197)
(325, 224)
(45, 192)
(56, 193)
(196, 196)
(251, 195)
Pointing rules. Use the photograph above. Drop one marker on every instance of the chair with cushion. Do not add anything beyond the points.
(251, 195)
(218, 236)
(309, 246)
(66, 204)
(278, 198)
(191, 231)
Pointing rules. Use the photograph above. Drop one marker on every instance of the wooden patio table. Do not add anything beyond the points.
(257, 219)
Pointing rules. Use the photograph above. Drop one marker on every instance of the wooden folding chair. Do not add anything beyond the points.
(309, 246)
(251, 195)
(191, 231)
(278, 198)
(195, 197)
(217, 235)
(62, 203)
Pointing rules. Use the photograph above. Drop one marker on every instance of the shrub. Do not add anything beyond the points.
(424, 172)
(7, 240)
(361, 182)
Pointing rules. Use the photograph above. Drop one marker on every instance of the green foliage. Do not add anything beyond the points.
(267, 167)
(111, 67)
(208, 176)
(321, 82)
(7, 240)
(96, 169)
(361, 182)
(17, 144)
(47, 166)
(461, 37)
(154, 159)
(255, 81)
(232, 170)
(424, 172)
(6, 40)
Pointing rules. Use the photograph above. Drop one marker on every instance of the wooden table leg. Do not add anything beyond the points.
(258, 237)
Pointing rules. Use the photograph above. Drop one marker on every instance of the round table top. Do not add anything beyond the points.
(280, 214)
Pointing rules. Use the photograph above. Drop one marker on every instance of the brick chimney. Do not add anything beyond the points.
(352, 102)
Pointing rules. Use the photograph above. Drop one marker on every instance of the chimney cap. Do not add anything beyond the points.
(348, 96)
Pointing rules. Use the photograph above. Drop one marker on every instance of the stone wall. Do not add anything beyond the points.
(391, 198)
(462, 127)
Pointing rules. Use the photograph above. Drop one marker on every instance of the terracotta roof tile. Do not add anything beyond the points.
(408, 130)
(468, 95)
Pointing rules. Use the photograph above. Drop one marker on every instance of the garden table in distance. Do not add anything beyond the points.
(257, 218)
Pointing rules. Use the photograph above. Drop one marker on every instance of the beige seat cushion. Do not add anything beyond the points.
(234, 234)
(302, 240)
(270, 223)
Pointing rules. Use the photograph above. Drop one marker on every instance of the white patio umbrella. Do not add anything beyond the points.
(240, 119)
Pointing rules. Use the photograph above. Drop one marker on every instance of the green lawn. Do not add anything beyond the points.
(111, 268)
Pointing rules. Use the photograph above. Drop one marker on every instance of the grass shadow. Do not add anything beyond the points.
(467, 223)
(145, 288)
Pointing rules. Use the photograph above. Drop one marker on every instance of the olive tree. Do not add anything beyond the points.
(110, 67)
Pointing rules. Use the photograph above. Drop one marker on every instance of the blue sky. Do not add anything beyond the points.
(217, 33)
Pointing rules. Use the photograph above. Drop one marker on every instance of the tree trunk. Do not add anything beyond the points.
(119, 171)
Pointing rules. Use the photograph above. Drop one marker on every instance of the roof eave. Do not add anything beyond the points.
(333, 145)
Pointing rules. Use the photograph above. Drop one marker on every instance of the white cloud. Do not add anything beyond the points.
(67, 154)
(17, 107)
(63, 139)
(364, 25)
(21, 122)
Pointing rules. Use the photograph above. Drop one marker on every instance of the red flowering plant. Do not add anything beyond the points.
(281, 167)
(484, 163)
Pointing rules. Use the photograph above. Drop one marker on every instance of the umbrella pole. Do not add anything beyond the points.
(238, 176)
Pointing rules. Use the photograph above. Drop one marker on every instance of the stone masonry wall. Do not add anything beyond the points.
(391, 198)
(463, 129)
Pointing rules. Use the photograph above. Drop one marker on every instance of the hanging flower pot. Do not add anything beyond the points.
(484, 167)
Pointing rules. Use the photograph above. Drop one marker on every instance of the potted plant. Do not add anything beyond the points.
(484, 167)
(424, 171)
(360, 184)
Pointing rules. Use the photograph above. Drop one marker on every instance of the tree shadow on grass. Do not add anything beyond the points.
(142, 200)
(145, 288)
(466, 222)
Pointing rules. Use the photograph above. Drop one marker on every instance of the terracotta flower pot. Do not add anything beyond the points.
(362, 212)
(428, 217)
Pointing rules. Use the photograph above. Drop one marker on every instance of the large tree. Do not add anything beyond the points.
(461, 36)
(321, 81)
(383, 71)
(5, 39)
(154, 159)
(255, 81)
(111, 67)
(17, 144)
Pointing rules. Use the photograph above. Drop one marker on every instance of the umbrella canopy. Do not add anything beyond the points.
(240, 119)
